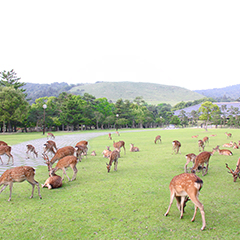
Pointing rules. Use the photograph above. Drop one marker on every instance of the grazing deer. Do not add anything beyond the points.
(235, 146)
(5, 149)
(61, 153)
(63, 163)
(158, 138)
(206, 140)
(200, 145)
(110, 136)
(190, 158)
(50, 147)
(81, 149)
(50, 135)
(236, 173)
(223, 151)
(54, 181)
(229, 135)
(118, 145)
(31, 149)
(228, 144)
(19, 174)
(106, 152)
(93, 153)
(53, 144)
(202, 158)
(133, 149)
(113, 158)
(176, 146)
(2, 143)
(183, 185)
(195, 136)
(118, 134)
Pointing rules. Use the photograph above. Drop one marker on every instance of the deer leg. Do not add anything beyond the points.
(74, 172)
(205, 170)
(64, 172)
(170, 204)
(115, 165)
(10, 188)
(185, 167)
(4, 186)
(182, 208)
(33, 183)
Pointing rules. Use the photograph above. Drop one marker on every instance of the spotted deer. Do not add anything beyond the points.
(183, 186)
(50, 147)
(50, 135)
(54, 181)
(118, 145)
(113, 158)
(158, 138)
(133, 149)
(190, 158)
(176, 146)
(31, 149)
(200, 145)
(235, 173)
(5, 149)
(19, 174)
(225, 152)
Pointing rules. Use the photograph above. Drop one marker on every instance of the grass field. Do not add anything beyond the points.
(129, 203)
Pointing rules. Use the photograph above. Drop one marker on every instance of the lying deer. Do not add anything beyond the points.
(5, 149)
(63, 163)
(54, 181)
(19, 174)
(93, 153)
(236, 173)
(200, 145)
(190, 158)
(222, 151)
(235, 146)
(31, 149)
(113, 158)
(183, 185)
(228, 144)
(133, 149)
(176, 146)
(106, 152)
(50, 136)
(158, 138)
(195, 136)
(118, 145)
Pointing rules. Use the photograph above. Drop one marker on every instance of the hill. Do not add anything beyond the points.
(151, 93)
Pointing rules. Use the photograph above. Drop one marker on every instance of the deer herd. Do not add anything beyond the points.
(184, 187)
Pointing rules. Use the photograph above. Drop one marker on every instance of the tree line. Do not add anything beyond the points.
(74, 112)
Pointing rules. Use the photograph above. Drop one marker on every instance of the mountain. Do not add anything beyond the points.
(152, 93)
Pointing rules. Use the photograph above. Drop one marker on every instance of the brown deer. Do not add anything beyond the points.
(235, 146)
(93, 153)
(195, 136)
(190, 158)
(31, 149)
(228, 144)
(54, 181)
(63, 163)
(229, 135)
(236, 173)
(202, 158)
(176, 146)
(61, 153)
(110, 136)
(5, 149)
(206, 140)
(113, 158)
(223, 151)
(158, 138)
(81, 149)
(133, 149)
(118, 134)
(183, 185)
(106, 152)
(50, 135)
(2, 143)
(118, 145)
(49, 147)
(19, 174)
(200, 145)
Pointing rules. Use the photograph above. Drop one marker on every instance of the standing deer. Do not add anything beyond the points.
(118, 134)
(81, 149)
(202, 158)
(183, 185)
(19, 174)
(31, 149)
(50, 147)
(229, 135)
(190, 158)
(206, 140)
(200, 145)
(236, 173)
(63, 163)
(50, 135)
(113, 158)
(158, 138)
(54, 181)
(223, 151)
(133, 149)
(110, 136)
(118, 145)
(5, 149)
(176, 146)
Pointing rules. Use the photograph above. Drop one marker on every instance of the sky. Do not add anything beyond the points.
(190, 44)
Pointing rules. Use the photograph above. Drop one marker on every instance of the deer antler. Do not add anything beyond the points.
(231, 170)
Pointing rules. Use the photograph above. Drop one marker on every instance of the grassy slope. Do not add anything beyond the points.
(129, 203)
(151, 93)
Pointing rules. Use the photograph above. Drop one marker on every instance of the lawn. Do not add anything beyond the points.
(129, 203)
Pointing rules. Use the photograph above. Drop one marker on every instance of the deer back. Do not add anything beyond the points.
(201, 158)
(62, 152)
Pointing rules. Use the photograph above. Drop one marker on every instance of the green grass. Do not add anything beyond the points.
(129, 203)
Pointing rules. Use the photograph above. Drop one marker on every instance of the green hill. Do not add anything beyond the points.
(152, 93)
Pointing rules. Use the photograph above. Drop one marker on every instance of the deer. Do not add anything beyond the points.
(31, 149)
(19, 174)
(63, 163)
(5, 149)
(133, 149)
(195, 136)
(2, 143)
(81, 149)
(200, 145)
(54, 181)
(110, 136)
(93, 153)
(228, 144)
(50, 135)
(176, 146)
(206, 140)
(190, 158)
(106, 152)
(118, 134)
(50, 147)
(235, 146)
(235, 173)
(225, 152)
(183, 186)
(158, 138)
(61, 153)
(202, 158)
(113, 158)
(118, 145)
(229, 135)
